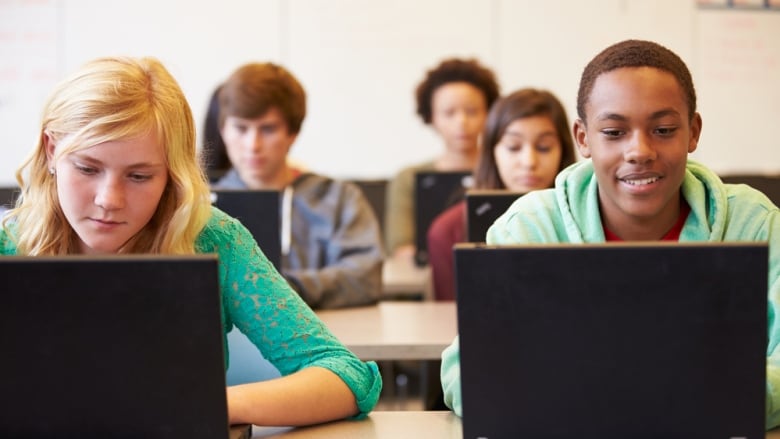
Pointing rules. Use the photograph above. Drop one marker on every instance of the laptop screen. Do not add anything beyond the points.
(434, 192)
(613, 340)
(259, 211)
(8, 195)
(126, 346)
(483, 207)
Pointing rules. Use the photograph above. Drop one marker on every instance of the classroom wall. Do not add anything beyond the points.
(360, 61)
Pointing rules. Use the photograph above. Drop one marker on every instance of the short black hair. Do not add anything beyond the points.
(635, 53)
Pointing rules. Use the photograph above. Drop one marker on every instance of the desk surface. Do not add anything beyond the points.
(402, 278)
(395, 330)
(387, 425)
(378, 425)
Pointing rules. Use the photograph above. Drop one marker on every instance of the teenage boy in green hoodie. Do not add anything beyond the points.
(637, 123)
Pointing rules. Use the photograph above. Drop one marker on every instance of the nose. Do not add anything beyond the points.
(639, 149)
(462, 119)
(255, 140)
(110, 194)
(528, 157)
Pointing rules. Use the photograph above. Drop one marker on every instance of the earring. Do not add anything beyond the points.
(51, 171)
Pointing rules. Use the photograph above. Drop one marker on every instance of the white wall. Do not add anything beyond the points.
(361, 59)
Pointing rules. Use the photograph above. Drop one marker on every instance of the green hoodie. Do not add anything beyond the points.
(569, 213)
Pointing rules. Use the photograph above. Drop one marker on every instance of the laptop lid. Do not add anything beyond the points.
(483, 207)
(125, 346)
(434, 191)
(613, 341)
(8, 195)
(258, 211)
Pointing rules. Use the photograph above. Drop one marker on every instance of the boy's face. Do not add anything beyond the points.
(258, 147)
(638, 133)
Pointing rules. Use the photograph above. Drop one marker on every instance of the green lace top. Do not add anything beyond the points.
(260, 302)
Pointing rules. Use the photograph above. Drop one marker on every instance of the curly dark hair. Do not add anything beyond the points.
(455, 70)
(635, 53)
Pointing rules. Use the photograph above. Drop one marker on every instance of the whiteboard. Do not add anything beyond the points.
(360, 61)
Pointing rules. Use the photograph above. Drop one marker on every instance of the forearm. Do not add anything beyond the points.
(310, 396)
(339, 286)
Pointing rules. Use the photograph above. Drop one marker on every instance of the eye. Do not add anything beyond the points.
(140, 178)
(665, 131)
(240, 128)
(268, 130)
(544, 148)
(513, 147)
(612, 132)
(86, 170)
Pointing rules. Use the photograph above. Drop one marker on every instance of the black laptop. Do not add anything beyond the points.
(259, 212)
(434, 192)
(483, 207)
(123, 346)
(657, 340)
(8, 195)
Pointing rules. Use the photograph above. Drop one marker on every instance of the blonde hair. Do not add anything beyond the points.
(111, 99)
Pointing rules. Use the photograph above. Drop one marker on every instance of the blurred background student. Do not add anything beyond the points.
(331, 243)
(454, 98)
(526, 142)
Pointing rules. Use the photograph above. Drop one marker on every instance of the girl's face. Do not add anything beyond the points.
(110, 191)
(458, 111)
(529, 154)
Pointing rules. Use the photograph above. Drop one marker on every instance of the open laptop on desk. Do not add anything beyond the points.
(434, 191)
(653, 340)
(258, 211)
(123, 346)
(483, 207)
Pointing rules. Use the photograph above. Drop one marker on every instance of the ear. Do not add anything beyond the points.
(581, 138)
(48, 145)
(693, 142)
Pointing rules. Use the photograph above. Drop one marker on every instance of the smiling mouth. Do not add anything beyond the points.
(640, 181)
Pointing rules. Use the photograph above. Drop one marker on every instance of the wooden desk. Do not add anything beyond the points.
(378, 425)
(402, 330)
(401, 278)
(387, 425)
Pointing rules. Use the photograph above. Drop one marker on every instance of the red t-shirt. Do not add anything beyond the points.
(672, 235)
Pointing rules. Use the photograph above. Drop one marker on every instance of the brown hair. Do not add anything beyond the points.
(255, 88)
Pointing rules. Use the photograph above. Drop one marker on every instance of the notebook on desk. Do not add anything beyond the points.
(124, 346)
(652, 340)
(483, 207)
(434, 191)
(258, 211)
